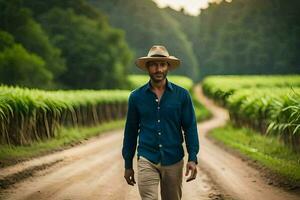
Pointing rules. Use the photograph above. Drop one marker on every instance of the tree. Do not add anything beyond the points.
(17, 20)
(96, 54)
(19, 67)
(145, 25)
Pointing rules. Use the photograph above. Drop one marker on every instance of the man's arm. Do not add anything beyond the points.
(189, 126)
(130, 133)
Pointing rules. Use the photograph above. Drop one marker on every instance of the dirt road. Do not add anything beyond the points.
(91, 171)
(94, 170)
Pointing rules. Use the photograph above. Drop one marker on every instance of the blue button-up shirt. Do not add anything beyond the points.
(160, 126)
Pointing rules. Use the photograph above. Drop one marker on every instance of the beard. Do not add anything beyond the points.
(158, 77)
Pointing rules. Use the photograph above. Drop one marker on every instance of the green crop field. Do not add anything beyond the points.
(29, 115)
(221, 87)
(270, 104)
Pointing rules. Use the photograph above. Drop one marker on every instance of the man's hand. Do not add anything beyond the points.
(129, 176)
(191, 166)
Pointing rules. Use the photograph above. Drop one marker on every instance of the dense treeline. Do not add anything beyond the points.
(250, 37)
(241, 37)
(245, 37)
(70, 44)
(145, 24)
(67, 44)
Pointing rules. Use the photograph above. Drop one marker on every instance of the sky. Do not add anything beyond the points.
(191, 7)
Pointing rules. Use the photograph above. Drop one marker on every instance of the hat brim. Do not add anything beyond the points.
(173, 61)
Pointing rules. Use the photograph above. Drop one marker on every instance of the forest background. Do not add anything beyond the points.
(76, 44)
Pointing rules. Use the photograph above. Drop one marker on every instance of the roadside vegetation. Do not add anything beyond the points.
(267, 151)
(29, 115)
(264, 119)
(67, 137)
(267, 104)
(37, 121)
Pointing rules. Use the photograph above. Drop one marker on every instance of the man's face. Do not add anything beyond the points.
(157, 70)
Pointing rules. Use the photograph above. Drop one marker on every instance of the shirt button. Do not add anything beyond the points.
(159, 133)
(158, 107)
(160, 146)
(156, 100)
(158, 121)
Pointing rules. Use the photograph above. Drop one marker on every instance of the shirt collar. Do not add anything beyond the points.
(169, 85)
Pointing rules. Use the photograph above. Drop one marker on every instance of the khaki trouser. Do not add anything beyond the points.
(169, 177)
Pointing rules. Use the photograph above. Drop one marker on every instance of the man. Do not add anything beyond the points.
(157, 113)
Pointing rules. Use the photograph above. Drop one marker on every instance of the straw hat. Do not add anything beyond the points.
(157, 52)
